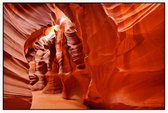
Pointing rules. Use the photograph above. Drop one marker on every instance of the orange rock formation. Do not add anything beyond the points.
(123, 46)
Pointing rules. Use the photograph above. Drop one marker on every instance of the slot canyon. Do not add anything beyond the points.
(83, 56)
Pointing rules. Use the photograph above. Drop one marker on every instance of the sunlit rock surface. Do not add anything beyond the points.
(123, 45)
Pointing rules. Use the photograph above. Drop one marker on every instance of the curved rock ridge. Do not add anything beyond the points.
(123, 46)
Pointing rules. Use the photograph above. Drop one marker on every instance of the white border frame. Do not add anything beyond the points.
(82, 111)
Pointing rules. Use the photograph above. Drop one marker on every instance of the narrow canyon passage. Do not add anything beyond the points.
(54, 101)
(84, 55)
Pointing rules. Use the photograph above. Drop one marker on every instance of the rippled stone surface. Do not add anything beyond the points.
(123, 45)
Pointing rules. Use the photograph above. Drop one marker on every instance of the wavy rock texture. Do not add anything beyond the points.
(123, 45)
